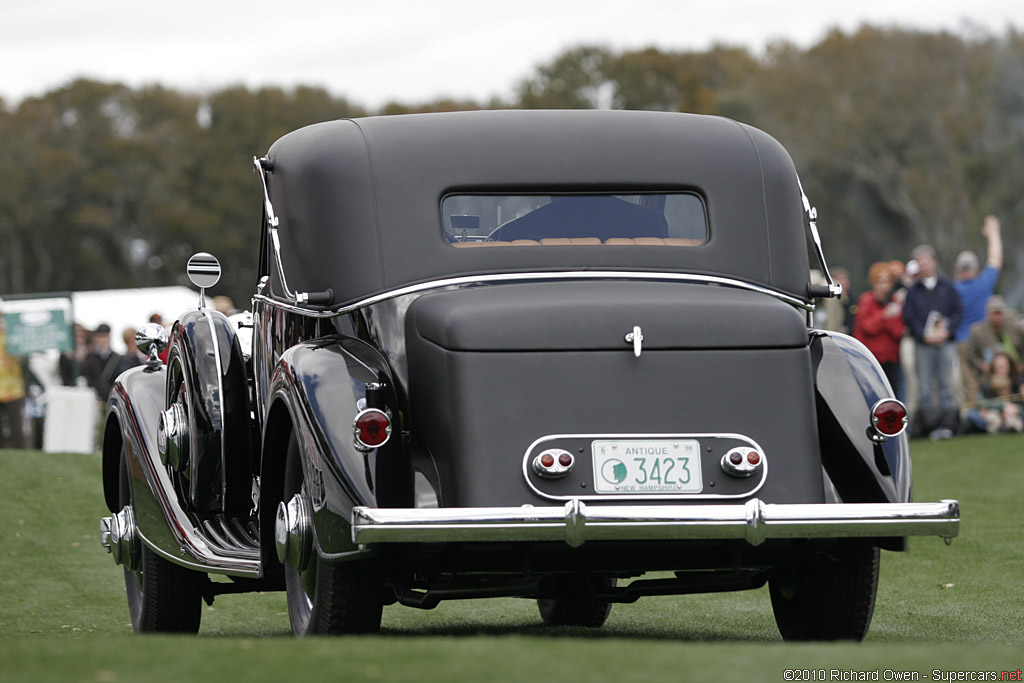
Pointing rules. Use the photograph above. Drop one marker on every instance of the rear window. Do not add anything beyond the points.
(649, 219)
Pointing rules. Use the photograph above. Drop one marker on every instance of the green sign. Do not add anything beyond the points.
(35, 325)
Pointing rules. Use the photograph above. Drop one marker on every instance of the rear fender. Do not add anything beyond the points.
(848, 383)
(133, 411)
(315, 393)
(132, 419)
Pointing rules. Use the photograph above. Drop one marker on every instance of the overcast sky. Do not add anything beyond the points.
(409, 51)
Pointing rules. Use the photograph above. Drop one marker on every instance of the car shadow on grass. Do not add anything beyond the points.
(573, 632)
(743, 617)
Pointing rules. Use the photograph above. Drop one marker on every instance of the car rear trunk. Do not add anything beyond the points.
(497, 372)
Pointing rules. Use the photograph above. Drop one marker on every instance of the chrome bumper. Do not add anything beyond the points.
(577, 522)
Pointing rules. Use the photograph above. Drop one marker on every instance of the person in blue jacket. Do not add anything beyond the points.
(932, 312)
(976, 285)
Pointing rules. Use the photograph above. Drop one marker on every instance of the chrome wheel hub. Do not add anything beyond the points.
(170, 436)
(119, 535)
(293, 533)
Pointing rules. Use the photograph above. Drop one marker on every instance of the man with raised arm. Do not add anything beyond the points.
(976, 285)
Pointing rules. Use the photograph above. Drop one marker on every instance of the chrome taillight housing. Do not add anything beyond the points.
(371, 429)
(888, 419)
(553, 463)
(742, 461)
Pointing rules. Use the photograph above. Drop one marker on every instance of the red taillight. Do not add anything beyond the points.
(889, 417)
(553, 463)
(372, 428)
(743, 462)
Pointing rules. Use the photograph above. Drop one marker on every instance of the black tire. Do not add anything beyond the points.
(579, 607)
(329, 598)
(827, 594)
(163, 597)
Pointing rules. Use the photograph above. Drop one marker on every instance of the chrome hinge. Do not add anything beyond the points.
(834, 289)
(262, 167)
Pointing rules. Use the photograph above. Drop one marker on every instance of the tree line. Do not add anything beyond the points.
(900, 136)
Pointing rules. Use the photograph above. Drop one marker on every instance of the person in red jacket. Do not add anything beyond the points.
(879, 321)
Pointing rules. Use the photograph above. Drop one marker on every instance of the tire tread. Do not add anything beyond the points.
(834, 598)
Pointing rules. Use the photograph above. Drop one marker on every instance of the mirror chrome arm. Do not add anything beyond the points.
(262, 167)
(832, 288)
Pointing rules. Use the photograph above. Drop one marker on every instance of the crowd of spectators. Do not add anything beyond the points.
(91, 363)
(949, 346)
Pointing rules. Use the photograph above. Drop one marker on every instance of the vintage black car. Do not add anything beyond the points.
(566, 356)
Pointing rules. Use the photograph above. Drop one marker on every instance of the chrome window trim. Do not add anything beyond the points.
(471, 280)
(589, 194)
(610, 497)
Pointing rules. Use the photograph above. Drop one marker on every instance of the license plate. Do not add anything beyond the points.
(631, 466)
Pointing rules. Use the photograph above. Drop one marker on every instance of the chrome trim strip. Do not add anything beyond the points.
(470, 280)
(219, 403)
(647, 496)
(196, 554)
(577, 522)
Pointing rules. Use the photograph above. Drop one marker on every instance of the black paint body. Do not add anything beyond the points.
(478, 372)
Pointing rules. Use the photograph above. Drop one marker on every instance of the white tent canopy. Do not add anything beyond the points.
(123, 308)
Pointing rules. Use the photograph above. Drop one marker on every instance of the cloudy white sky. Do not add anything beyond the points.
(407, 50)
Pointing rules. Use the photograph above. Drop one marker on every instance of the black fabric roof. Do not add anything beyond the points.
(359, 200)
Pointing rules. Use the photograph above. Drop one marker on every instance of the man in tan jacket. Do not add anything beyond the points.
(1000, 329)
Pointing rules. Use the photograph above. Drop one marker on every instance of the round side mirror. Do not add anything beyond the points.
(203, 270)
(151, 339)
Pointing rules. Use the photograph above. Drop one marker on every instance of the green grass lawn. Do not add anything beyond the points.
(63, 614)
